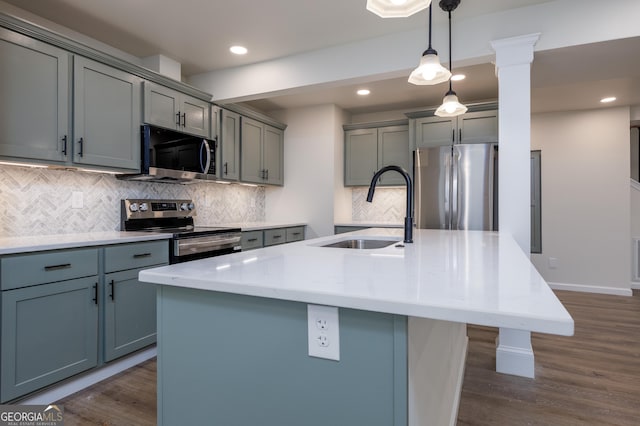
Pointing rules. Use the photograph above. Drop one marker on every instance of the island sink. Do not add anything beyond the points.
(361, 244)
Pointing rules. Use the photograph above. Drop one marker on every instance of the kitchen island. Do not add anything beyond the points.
(233, 330)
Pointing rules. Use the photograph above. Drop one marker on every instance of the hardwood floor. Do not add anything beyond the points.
(592, 378)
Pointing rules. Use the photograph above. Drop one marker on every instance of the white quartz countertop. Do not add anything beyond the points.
(371, 224)
(255, 226)
(462, 276)
(13, 245)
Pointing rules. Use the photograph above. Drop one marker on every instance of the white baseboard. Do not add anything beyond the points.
(635, 285)
(64, 389)
(592, 289)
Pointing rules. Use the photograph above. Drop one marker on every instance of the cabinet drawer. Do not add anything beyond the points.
(252, 240)
(295, 234)
(23, 270)
(275, 236)
(135, 255)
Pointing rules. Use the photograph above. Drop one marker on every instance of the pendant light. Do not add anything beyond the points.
(396, 8)
(451, 106)
(430, 71)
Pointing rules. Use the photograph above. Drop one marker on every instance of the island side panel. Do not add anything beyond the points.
(239, 360)
(437, 355)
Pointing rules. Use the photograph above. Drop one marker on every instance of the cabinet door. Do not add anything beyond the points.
(34, 100)
(230, 145)
(130, 313)
(161, 106)
(49, 333)
(478, 127)
(361, 156)
(273, 155)
(195, 116)
(251, 135)
(107, 116)
(435, 131)
(393, 149)
(252, 240)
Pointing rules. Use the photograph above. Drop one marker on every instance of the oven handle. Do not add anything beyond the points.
(205, 144)
(203, 244)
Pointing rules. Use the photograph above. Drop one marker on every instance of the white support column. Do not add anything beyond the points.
(514, 354)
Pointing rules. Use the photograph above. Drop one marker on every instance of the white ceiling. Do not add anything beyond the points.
(198, 33)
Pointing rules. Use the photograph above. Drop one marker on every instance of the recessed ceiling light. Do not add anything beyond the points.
(458, 77)
(607, 100)
(363, 92)
(238, 50)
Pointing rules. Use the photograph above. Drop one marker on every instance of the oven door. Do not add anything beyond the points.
(200, 247)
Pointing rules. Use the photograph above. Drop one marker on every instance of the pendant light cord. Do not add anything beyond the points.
(450, 60)
(430, 5)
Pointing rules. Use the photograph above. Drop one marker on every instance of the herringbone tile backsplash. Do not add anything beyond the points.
(38, 201)
(388, 205)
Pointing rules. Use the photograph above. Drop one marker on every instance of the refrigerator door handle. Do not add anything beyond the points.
(447, 191)
(455, 189)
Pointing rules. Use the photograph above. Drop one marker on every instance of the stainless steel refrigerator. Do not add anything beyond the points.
(456, 187)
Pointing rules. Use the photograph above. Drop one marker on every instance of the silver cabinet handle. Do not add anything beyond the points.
(141, 255)
(178, 118)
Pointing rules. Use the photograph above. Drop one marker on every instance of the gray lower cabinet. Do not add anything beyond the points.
(130, 305)
(261, 153)
(107, 118)
(368, 150)
(263, 358)
(49, 333)
(171, 109)
(59, 308)
(252, 240)
(35, 104)
(129, 315)
(270, 237)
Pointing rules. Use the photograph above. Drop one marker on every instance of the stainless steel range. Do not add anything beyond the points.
(189, 242)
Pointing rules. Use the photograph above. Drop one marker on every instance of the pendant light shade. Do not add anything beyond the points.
(396, 8)
(451, 106)
(430, 71)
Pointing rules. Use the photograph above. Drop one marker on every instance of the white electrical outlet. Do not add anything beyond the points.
(553, 262)
(77, 200)
(324, 332)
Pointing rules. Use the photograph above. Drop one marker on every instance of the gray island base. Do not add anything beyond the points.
(235, 360)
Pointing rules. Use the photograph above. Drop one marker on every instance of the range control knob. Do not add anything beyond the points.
(133, 207)
(144, 207)
(184, 206)
(190, 206)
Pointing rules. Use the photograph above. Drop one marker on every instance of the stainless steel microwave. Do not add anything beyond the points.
(174, 157)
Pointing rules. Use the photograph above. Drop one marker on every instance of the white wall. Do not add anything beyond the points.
(585, 198)
(312, 143)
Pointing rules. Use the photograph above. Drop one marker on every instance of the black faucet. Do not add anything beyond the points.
(408, 220)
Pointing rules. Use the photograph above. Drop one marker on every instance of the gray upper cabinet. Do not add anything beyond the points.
(472, 127)
(361, 156)
(478, 127)
(34, 100)
(106, 116)
(272, 155)
(368, 150)
(171, 109)
(261, 153)
(229, 143)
